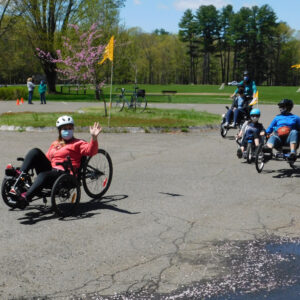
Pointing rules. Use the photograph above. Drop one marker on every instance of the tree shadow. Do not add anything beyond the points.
(38, 213)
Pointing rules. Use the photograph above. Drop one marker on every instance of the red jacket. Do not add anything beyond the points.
(75, 148)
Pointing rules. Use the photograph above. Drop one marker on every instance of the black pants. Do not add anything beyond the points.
(46, 175)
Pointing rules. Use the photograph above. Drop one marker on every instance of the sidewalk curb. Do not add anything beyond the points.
(113, 129)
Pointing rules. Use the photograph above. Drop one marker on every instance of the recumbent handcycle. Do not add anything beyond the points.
(95, 174)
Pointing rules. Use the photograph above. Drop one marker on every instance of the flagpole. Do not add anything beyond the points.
(111, 81)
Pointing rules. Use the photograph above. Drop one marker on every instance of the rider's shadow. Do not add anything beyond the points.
(285, 173)
(85, 208)
(38, 213)
(230, 137)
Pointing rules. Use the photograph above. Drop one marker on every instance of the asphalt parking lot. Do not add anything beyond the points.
(183, 218)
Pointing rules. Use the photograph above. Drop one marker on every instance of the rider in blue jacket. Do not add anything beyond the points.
(284, 127)
(237, 109)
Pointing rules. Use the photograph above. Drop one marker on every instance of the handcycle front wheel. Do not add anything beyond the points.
(97, 174)
(250, 153)
(117, 103)
(65, 195)
(259, 159)
(223, 130)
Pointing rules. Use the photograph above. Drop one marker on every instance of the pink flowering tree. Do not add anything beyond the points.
(78, 61)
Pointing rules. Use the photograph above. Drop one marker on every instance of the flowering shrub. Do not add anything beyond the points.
(78, 59)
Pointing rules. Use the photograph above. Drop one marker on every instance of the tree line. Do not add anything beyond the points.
(212, 46)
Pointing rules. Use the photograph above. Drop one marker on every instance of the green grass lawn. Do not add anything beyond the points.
(168, 118)
(267, 94)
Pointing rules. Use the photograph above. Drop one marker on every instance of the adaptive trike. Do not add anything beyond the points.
(95, 174)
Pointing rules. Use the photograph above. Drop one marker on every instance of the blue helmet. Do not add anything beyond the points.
(255, 111)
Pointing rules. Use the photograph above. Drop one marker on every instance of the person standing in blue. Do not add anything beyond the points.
(30, 87)
(42, 91)
(284, 129)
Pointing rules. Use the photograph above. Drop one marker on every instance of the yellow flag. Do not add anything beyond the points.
(108, 52)
(296, 66)
(255, 99)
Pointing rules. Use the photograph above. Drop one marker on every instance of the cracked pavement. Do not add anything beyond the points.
(182, 213)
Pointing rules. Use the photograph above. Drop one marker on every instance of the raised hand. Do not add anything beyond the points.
(95, 130)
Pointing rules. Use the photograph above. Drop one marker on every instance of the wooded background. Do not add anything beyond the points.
(212, 46)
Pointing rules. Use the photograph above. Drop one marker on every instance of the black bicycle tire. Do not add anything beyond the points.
(257, 157)
(62, 184)
(223, 130)
(117, 103)
(141, 108)
(4, 192)
(249, 153)
(107, 180)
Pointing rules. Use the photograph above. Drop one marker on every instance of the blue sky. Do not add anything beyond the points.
(152, 14)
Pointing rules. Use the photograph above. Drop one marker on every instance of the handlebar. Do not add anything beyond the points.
(67, 164)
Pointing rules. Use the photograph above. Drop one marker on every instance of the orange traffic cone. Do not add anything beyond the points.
(18, 102)
(22, 100)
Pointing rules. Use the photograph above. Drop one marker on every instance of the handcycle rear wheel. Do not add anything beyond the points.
(65, 195)
(117, 103)
(6, 186)
(97, 174)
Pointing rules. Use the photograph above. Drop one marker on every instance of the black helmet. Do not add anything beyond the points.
(286, 103)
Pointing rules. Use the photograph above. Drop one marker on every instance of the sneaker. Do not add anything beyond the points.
(23, 197)
(21, 201)
(225, 124)
(266, 149)
(239, 153)
(292, 156)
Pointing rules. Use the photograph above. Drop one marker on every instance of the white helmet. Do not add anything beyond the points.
(64, 120)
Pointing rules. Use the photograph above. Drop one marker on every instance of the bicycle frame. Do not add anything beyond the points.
(137, 101)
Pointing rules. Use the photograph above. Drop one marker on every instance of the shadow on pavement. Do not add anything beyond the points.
(38, 213)
(283, 173)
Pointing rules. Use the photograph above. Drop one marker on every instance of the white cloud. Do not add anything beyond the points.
(162, 6)
(137, 2)
(249, 5)
(194, 4)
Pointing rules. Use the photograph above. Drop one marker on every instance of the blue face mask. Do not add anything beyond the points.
(67, 134)
(246, 78)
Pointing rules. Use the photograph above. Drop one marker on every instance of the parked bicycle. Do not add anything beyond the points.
(138, 101)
